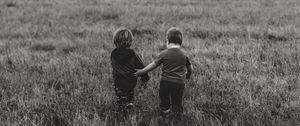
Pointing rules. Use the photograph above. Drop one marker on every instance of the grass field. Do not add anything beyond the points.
(55, 61)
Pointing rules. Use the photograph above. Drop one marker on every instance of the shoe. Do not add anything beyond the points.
(166, 111)
(129, 106)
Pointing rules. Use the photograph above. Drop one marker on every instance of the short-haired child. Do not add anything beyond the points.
(176, 68)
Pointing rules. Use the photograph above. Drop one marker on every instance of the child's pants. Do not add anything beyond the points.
(124, 88)
(171, 96)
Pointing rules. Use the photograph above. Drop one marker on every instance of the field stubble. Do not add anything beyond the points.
(55, 60)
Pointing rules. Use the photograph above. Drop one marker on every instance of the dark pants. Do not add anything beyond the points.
(171, 96)
(124, 88)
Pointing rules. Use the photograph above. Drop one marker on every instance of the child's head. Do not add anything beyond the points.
(174, 35)
(122, 38)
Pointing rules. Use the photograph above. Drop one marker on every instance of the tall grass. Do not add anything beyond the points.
(55, 61)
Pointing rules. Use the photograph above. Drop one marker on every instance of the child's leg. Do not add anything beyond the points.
(129, 99)
(124, 87)
(125, 99)
(176, 98)
(122, 99)
(164, 94)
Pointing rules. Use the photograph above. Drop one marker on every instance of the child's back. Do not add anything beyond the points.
(174, 62)
(176, 67)
(124, 62)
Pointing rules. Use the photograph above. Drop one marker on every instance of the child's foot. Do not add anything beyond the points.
(129, 106)
(166, 111)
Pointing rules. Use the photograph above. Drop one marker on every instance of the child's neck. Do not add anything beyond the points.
(125, 48)
(171, 45)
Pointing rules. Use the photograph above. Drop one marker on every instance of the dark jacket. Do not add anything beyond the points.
(124, 62)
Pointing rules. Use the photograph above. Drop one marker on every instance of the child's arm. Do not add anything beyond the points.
(189, 69)
(148, 68)
(139, 65)
(151, 66)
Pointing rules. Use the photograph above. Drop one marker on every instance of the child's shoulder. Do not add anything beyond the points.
(164, 52)
(182, 50)
(179, 50)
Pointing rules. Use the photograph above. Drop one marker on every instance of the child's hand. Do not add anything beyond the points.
(139, 72)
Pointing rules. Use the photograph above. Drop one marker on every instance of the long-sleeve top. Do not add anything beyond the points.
(125, 62)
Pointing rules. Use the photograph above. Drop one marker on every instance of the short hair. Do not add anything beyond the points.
(174, 35)
(122, 38)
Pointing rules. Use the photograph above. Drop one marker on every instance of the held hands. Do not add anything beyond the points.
(139, 72)
(144, 78)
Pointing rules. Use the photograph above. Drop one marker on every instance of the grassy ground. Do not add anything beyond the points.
(55, 67)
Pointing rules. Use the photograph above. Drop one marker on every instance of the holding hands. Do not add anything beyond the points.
(140, 72)
(144, 78)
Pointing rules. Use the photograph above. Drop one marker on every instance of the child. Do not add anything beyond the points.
(176, 67)
(124, 62)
